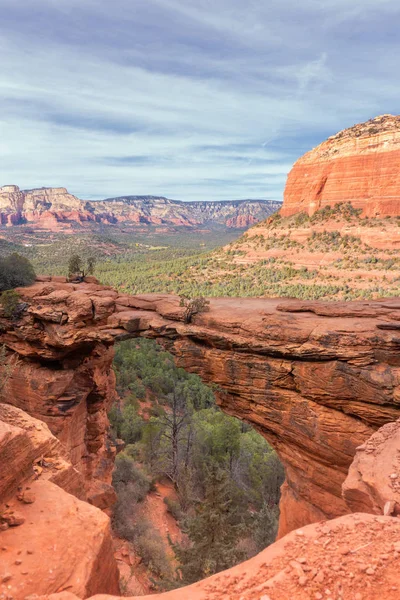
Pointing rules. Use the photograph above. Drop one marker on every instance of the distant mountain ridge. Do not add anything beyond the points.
(55, 209)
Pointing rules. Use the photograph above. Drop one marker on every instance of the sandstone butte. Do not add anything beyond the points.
(321, 381)
(55, 209)
(358, 165)
(339, 223)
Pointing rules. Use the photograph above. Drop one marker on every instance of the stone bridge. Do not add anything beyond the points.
(316, 379)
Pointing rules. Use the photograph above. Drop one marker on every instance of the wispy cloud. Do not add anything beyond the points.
(194, 99)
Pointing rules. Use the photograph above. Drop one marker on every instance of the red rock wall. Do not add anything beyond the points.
(360, 165)
(315, 379)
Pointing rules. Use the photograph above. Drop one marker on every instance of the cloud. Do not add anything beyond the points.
(193, 99)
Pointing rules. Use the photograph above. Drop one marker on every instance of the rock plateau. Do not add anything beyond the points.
(54, 209)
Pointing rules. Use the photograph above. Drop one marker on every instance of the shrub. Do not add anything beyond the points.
(9, 300)
(15, 270)
(128, 478)
(5, 370)
(173, 507)
(151, 548)
(194, 306)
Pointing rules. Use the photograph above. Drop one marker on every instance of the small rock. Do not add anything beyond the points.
(18, 562)
(389, 508)
(4, 526)
(26, 497)
(394, 476)
(358, 596)
(370, 571)
(302, 560)
(319, 578)
(12, 518)
(318, 596)
(6, 577)
(302, 580)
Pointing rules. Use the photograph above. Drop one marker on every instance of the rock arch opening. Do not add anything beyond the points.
(198, 490)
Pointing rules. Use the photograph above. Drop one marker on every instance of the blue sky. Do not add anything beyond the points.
(192, 99)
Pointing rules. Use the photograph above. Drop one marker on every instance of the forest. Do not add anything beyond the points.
(226, 476)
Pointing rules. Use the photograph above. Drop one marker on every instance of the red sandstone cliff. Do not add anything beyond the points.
(316, 379)
(358, 165)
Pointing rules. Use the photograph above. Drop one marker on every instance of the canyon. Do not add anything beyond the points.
(318, 380)
(56, 210)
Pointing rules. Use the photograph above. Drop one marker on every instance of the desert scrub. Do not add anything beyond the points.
(10, 302)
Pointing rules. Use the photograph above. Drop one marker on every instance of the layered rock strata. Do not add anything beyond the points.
(359, 165)
(55, 209)
(315, 379)
(50, 539)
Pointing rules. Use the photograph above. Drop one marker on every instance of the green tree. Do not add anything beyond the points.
(15, 271)
(213, 532)
(77, 267)
(132, 425)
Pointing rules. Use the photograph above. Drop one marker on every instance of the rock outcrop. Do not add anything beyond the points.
(359, 165)
(373, 482)
(315, 379)
(50, 539)
(54, 209)
(355, 557)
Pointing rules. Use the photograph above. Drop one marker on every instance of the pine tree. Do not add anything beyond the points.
(213, 532)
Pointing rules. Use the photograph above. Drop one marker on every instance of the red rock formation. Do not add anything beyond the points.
(54, 209)
(315, 379)
(50, 540)
(355, 557)
(358, 165)
(63, 376)
(373, 482)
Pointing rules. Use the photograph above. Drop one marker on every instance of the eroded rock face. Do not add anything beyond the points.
(50, 539)
(358, 165)
(373, 482)
(315, 379)
(62, 374)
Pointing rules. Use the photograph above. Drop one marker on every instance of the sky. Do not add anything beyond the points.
(190, 99)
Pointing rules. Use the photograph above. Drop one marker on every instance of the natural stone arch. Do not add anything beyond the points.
(316, 379)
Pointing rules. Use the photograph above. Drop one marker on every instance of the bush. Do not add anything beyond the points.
(193, 306)
(128, 478)
(173, 507)
(9, 300)
(150, 547)
(15, 270)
